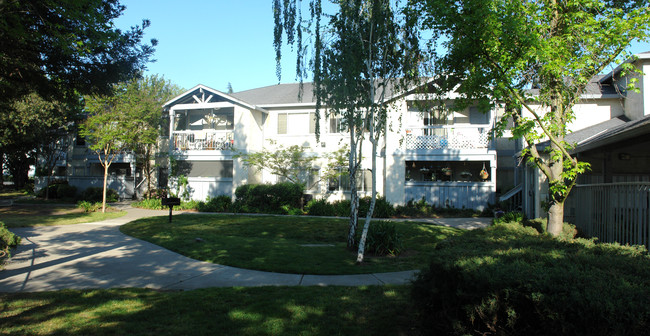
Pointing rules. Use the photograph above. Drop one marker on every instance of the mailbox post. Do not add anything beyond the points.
(170, 202)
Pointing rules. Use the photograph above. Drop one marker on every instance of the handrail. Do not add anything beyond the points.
(511, 193)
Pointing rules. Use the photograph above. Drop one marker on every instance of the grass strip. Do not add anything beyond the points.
(277, 243)
(373, 310)
(65, 219)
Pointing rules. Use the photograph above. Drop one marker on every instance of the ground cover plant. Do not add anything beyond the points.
(330, 310)
(7, 240)
(510, 279)
(45, 215)
(307, 245)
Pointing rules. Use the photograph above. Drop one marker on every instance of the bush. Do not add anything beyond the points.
(509, 279)
(319, 207)
(66, 191)
(383, 209)
(89, 206)
(508, 217)
(382, 239)
(7, 240)
(149, 203)
(267, 198)
(422, 209)
(222, 203)
(94, 194)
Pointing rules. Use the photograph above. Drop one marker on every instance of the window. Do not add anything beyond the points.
(221, 168)
(342, 182)
(309, 178)
(220, 119)
(477, 117)
(296, 123)
(337, 125)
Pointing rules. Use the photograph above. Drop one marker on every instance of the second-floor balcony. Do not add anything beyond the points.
(447, 137)
(203, 140)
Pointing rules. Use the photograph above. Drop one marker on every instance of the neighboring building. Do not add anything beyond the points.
(610, 132)
(80, 167)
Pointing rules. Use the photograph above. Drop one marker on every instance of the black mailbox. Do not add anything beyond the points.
(170, 202)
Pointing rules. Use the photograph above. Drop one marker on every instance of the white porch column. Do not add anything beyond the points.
(172, 116)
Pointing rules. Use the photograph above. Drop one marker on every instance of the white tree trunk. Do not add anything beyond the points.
(354, 197)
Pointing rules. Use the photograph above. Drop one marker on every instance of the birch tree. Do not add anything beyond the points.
(356, 60)
(498, 50)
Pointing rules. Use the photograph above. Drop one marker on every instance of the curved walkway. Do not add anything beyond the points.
(98, 255)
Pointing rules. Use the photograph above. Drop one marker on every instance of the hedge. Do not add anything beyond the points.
(513, 280)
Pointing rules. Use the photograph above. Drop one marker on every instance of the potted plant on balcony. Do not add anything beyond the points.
(465, 174)
(483, 174)
(447, 171)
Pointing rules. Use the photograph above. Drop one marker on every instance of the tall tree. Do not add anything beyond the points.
(28, 128)
(126, 120)
(497, 50)
(60, 48)
(357, 60)
(143, 98)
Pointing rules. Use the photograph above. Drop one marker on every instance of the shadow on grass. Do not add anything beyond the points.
(218, 311)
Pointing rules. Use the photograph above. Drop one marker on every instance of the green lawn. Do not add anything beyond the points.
(277, 243)
(374, 310)
(46, 215)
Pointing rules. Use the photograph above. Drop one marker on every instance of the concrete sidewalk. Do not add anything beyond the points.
(98, 255)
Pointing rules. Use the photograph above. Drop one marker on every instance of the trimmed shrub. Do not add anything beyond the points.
(66, 191)
(382, 239)
(509, 279)
(422, 209)
(319, 207)
(94, 194)
(268, 198)
(383, 209)
(221, 203)
(341, 208)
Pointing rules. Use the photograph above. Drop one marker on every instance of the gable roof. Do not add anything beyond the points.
(279, 94)
(289, 94)
(609, 77)
(203, 94)
(627, 130)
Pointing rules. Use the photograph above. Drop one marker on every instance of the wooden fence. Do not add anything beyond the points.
(614, 212)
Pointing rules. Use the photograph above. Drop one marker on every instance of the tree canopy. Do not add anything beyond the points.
(126, 120)
(536, 57)
(61, 48)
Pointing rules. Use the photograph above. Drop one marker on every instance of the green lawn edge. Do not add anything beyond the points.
(277, 243)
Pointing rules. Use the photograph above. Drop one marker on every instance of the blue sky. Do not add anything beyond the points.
(216, 42)
(211, 42)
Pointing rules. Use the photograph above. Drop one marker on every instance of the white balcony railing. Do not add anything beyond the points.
(447, 137)
(214, 140)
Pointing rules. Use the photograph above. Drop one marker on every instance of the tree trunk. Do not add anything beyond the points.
(105, 184)
(47, 187)
(371, 208)
(354, 199)
(555, 218)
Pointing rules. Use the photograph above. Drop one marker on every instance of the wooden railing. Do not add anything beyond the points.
(447, 137)
(191, 140)
(614, 212)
